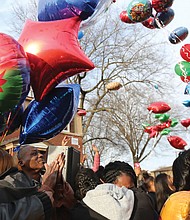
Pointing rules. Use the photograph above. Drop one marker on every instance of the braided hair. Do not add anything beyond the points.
(85, 180)
(115, 169)
(181, 171)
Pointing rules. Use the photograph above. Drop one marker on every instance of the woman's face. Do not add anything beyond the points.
(124, 180)
(170, 183)
(151, 186)
(6, 161)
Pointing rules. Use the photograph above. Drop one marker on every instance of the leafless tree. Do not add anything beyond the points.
(131, 55)
(21, 11)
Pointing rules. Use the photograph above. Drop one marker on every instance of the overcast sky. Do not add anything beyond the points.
(181, 18)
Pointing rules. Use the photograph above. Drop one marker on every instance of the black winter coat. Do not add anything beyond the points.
(83, 212)
(143, 207)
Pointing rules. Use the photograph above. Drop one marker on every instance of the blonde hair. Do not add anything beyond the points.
(6, 161)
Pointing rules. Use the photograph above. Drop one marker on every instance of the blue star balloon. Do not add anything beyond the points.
(47, 118)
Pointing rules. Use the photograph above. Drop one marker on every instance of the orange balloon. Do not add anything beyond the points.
(54, 53)
(177, 207)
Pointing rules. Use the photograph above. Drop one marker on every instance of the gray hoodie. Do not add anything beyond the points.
(111, 201)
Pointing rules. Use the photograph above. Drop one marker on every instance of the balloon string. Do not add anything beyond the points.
(161, 26)
(6, 128)
(184, 72)
(9, 124)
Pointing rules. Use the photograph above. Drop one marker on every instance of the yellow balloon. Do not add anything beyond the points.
(177, 207)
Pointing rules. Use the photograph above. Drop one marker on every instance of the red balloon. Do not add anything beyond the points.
(185, 52)
(149, 23)
(14, 74)
(153, 134)
(125, 18)
(149, 129)
(177, 142)
(153, 131)
(185, 79)
(81, 112)
(159, 107)
(54, 53)
(185, 122)
(161, 5)
(164, 125)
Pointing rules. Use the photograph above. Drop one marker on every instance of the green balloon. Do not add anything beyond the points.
(139, 10)
(158, 115)
(166, 131)
(162, 117)
(11, 90)
(182, 68)
(145, 125)
(174, 122)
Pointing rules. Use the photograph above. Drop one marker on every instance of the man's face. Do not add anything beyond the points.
(33, 159)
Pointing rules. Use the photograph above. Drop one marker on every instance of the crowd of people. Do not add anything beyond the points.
(32, 189)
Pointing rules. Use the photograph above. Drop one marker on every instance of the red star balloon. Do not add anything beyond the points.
(54, 53)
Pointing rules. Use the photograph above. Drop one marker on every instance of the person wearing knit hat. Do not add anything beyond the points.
(123, 175)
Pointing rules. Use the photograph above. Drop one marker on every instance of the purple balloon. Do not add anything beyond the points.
(50, 10)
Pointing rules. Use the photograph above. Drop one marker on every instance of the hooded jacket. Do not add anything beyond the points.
(20, 198)
(111, 201)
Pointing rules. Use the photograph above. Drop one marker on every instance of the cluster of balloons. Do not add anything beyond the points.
(160, 109)
(155, 14)
(182, 68)
(47, 53)
(165, 124)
